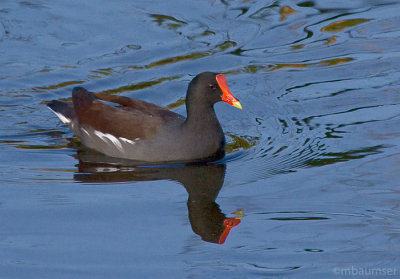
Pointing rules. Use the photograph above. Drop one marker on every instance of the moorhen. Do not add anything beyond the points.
(138, 130)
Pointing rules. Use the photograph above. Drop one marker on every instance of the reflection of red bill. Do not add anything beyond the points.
(228, 224)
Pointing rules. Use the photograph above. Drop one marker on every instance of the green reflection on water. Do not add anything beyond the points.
(236, 142)
(339, 25)
(139, 85)
(58, 85)
(335, 157)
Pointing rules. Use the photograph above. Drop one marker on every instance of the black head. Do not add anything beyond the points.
(208, 88)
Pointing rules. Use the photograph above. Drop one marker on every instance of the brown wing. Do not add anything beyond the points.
(142, 106)
(134, 119)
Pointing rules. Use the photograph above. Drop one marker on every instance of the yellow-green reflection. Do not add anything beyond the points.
(169, 60)
(339, 25)
(169, 21)
(176, 104)
(58, 85)
(139, 85)
(328, 62)
(238, 142)
(285, 11)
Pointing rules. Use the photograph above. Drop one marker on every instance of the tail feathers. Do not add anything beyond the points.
(63, 110)
(67, 111)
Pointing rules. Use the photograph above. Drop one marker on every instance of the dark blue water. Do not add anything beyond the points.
(313, 163)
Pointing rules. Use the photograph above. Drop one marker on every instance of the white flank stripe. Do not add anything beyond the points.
(114, 140)
(111, 138)
(99, 134)
(86, 132)
(127, 140)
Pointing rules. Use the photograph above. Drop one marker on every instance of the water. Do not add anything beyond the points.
(313, 159)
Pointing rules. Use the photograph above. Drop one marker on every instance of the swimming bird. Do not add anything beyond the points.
(138, 130)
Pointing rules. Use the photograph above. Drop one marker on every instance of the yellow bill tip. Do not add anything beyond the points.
(236, 104)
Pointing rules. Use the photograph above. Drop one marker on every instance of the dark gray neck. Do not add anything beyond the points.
(203, 129)
(201, 115)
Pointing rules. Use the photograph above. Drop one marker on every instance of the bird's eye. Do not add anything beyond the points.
(212, 86)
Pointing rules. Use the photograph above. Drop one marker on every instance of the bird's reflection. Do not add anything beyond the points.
(202, 182)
